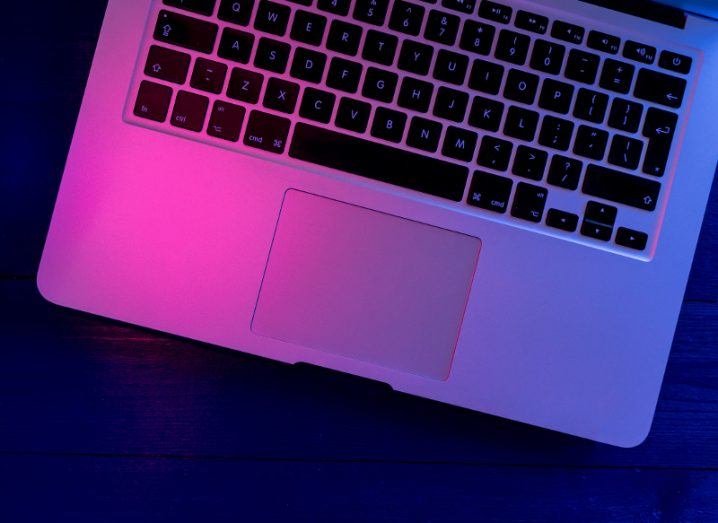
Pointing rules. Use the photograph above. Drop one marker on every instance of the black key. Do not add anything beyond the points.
(582, 66)
(632, 239)
(460, 144)
(406, 17)
(245, 85)
(529, 202)
(272, 17)
(378, 162)
(591, 142)
(353, 115)
(604, 42)
(619, 187)
(281, 95)
(660, 88)
(236, 45)
(465, 6)
(308, 27)
(547, 57)
(380, 47)
(521, 86)
(153, 101)
(338, 7)
(451, 104)
(591, 105)
(226, 121)
(562, 220)
(415, 94)
(496, 12)
(675, 62)
(371, 11)
(203, 7)
(451, 67)
(388, 124)
(512, 47)
(564, 172)
(556, 133)
(531, 22)
(486, 114)
(529, 162)
(477, 37)
(625, 152)
(600, 213)
(490, 192)
(556, 96)
(596, 231)
(208, 76)
(659, 128)
(442, 28)
(625, 115)
(486, 76)
(344, 37)
(344, 75)
(189, 111)
(266, 132)
(302, 2)
(521, 123)
(567, 32)
(617, 76)
(184, 31)
(308, 65)
(317, 105)
(166, 64)
(415, 57)
(424, 134)
(639, 52)
(379, 85)
(236, 11)
(272, 55)
(495, 153)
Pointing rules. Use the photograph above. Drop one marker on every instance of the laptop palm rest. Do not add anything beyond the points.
(366, 285)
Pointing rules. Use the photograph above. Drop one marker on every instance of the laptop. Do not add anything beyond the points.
(491, 204)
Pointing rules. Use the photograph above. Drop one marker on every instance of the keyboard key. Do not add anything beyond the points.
(236, 11)
(625, 152)
(203, 7)
(596, 231)
(344, 75)
(266, 132)
(353, 115)
(166, 64)
(625, 115)
(245, 86)
(521, 86)
(495, 11)
(388, 124)
(639, 52)
(547, 57)
(486, 76)
(226, 121)
(451, 104)
(308, 27)
(153, 101)
(556, 96)
(379, 47)
(378, 162)
(600, 213)
(521, 123)
(531, 22)
(459, 144)
(406, 17)
(477, 37)
(442, 28)
(236, 45)
(337, 7)
(189, 111)
(529, 162)
(495, 153)
(371, 11)
(604, 42)
(424, 134)
(317, 105)
(451, 67)
(302, 2)
(591, 142)
(659, 128)
(209, 76)
(582, 66)
(281, 95)
(675, 62)
(486, 114)
(415, 94)
(632, 239)
(308, 65)
(415, 57)
(620, 187)
(591, 105)
(562, 220)
(465, 6)
(529, 202)
(490, 192)
(272, 17)
(564, 172)
(379, 85)
(344, 37)
(660, 88)
(272, 55)
(617, 76)
(184, 31)
(556, 133)
(512, 47)
(568, 32)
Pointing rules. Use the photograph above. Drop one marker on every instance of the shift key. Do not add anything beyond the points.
(621, 187)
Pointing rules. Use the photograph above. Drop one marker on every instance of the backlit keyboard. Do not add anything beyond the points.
(528, 118)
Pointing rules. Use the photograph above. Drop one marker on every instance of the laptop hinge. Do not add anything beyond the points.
(646, 9)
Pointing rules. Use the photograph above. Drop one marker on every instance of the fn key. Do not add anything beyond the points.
(266, 132)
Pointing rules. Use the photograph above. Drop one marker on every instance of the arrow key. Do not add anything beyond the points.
(561, 220)
(632, 239)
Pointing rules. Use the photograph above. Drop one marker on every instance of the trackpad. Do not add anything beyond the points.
(366, 285)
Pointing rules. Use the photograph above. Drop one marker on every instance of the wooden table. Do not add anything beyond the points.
(105, 422)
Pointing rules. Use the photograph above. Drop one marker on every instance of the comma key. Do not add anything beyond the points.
(266, 132)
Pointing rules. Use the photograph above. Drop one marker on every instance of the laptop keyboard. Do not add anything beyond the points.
(529, 119)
